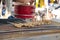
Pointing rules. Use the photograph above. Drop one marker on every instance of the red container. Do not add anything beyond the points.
(23, 11)
(24, 17)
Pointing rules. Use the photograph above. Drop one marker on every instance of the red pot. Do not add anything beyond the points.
(24, 17)
(23, 11)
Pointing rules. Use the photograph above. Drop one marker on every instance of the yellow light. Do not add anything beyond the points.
(41, 3)
(52, 1)
(37, 1)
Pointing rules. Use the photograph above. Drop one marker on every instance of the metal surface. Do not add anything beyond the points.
(9, 32)
(40, 37)
(6, 28)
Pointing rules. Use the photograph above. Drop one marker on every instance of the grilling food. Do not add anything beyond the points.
(30, 24)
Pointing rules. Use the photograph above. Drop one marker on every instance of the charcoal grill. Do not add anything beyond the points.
(8, 28)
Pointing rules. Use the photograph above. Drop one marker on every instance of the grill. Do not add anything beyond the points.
(7, 27)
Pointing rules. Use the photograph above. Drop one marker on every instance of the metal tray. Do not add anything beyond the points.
(6, 27)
